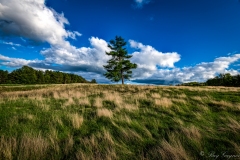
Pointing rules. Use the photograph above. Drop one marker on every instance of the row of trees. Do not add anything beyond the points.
(224, 80)
(27, 75)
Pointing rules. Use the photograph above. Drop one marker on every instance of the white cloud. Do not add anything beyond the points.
(200, 72)
(89, 59)
(148, 59)
(14, 48)
(140, 3)
(68, 58)
(11, 43)
(15, 62)
(34, 20)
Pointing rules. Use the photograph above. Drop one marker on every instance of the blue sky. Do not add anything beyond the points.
(172, 41)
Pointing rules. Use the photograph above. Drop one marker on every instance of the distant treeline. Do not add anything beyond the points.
(27, 75)
(220, 80)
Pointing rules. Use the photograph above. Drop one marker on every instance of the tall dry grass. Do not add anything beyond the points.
(145, 122)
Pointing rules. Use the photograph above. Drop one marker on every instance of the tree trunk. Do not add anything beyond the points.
(122, 78)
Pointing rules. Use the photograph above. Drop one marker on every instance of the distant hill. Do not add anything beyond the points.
(28, 75)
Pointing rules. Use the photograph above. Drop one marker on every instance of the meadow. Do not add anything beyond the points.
(90, 121)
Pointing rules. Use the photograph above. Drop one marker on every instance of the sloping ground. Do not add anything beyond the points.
(81, 121)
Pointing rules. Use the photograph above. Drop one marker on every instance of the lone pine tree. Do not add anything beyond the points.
(119, 66)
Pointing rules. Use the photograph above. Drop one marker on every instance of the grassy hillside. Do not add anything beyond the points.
(80, 121)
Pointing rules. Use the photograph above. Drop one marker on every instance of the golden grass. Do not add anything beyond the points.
(128, 107)
(222, 103)
(130, 134)
(30, 117)
(125, 118)
(197, 98)
(95, 152)
(183, 101)
(41, 104)
(164, 102)
(98, 102)
(115, 97)
(103, 112)
(173, 149)
(141, 95)
(192, 133)
(33, 147)
(70, 101)
(57, 120)
(84, 101)
(178, 121)
(76, 120)
(8, 146)
(182, 95)
(53, 139)
(69, 143)
(107, 137)
(155, 95)
(234, 125)
(28, 146)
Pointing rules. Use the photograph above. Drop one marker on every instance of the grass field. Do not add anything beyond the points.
(83, 121)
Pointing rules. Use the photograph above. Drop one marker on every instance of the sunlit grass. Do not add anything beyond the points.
(83, 121)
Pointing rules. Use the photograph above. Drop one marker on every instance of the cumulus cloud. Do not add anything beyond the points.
(70, 58)
(140, 3)
(149, 59)
(200, 72)
(15, 62)
(89, 59)
(34, 20)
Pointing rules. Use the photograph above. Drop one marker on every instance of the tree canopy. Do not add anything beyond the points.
(224, 80)
(119, 66)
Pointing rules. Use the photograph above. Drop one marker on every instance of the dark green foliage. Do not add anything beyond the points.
(224, 80)
(119, 66)
(93, 81)
(3, 76)
(27, 75)
(192, 84)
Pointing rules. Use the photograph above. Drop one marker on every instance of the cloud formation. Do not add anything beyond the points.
(32, 19)
(149, 59)
(11, 43)
(200, 72)
(15, 62)
(88, 59)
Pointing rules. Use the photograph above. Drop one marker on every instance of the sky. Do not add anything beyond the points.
(171, 41)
